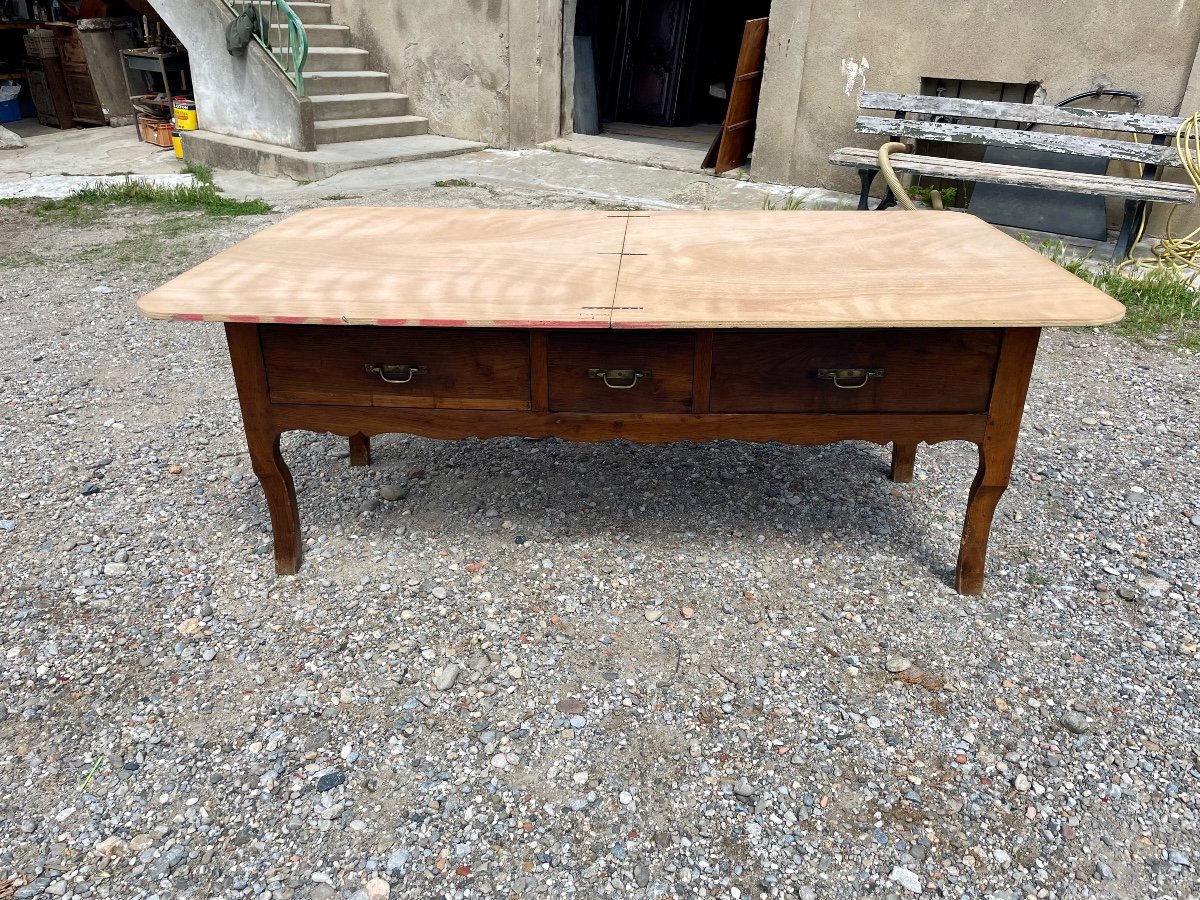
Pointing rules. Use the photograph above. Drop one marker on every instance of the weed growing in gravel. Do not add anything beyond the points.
(1157, 301)
(455, 182)
(85, 206)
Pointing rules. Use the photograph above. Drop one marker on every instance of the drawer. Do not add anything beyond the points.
(934, 370)
(645, 371)
(431, 368)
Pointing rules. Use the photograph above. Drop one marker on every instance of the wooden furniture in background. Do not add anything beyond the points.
(945, 112)
(732, 146)
(645, 326)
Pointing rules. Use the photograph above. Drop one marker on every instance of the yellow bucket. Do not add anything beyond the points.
(185, 114)
(177, 143)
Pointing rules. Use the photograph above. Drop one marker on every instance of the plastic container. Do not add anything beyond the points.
(10, 110)
(185, 114)
(177, 143)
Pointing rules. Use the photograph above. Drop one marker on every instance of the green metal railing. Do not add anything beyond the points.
(276, 17)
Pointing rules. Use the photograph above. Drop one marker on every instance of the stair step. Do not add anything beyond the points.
(318, 35)
(308, 13)
(359, 106)
(335, 59)
(321, 84)
(339, 131)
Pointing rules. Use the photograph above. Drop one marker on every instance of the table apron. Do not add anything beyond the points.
(789, 428)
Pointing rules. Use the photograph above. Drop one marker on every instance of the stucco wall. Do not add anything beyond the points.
(450, 56)
(856, 44)
(241, 96)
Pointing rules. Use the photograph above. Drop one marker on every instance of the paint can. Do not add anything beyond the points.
(185, 114)
(177, 143)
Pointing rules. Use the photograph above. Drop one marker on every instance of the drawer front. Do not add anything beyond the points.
(645, 371)
(942, 370)
(430, 368)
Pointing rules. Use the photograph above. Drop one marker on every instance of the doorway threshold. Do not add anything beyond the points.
(643, 150)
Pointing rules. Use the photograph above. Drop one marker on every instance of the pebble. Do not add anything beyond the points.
(446, 679)
(330, 780)
(377, 889)
(653, 614)
(743, 788)
(1075, 722)
(897, 664)
(906, 878)
(393, 492)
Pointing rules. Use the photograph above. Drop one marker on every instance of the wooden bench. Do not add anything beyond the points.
(940, 123)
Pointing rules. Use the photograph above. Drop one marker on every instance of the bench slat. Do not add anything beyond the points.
(1070, 117)
(1073, 182)
(1024, 140)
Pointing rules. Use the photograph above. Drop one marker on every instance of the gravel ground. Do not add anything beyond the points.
(533, 668)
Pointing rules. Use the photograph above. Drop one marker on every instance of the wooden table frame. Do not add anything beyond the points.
(802, 328)
(994, 432)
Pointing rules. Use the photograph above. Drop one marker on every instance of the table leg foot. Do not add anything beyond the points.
(904, 457)
(276, 480)
(986, 491)
(360, 450)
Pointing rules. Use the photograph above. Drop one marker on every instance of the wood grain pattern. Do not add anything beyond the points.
(466, 368)
(1070, 116)
(1025, 140)
(649, 428)
(996, 173)
(997, 451)
(554, 268)
(668, 355)
(737, 134)
(842, 269)
(262, 441)
(423, 267)
(924, 370)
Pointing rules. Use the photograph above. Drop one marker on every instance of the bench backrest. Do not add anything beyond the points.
(1160, 129)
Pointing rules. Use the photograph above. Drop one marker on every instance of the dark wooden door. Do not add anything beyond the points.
(737, 136)
(654, 72)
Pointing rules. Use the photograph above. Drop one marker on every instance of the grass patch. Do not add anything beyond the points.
(791, 203)
(88, 204)
(200, 172)
(11, 201)
(455, 182)
(917, 192)
(1156, 301)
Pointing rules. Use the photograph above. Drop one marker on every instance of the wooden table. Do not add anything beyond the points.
(805, 328)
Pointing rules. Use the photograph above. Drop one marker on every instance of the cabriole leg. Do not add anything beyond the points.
(991, 480)
(276, 480)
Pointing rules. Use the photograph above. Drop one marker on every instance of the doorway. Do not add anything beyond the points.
(658, 69)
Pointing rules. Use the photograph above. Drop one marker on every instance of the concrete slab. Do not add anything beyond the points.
(681, 156)
(55, 187)
(83, 151)
(222, 152)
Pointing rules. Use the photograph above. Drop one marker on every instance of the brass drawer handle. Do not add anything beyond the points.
(849, 379)
(397, 374)
(633, 376)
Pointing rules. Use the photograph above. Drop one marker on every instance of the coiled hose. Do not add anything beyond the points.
(893, 180)
(1179, 255)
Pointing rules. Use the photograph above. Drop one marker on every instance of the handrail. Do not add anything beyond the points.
(290, 57)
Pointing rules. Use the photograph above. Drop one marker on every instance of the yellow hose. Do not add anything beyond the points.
(889, 174)
(1179, 255)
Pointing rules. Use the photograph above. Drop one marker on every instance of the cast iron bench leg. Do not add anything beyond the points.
(1132, 219)
(866, 176)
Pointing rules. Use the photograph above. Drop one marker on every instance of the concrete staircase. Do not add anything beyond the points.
(350, 102)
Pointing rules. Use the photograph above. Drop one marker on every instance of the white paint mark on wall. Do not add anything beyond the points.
(855, 72)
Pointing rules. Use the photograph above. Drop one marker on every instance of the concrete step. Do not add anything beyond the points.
(318, 35)
(314, 13)
(335, 59)
(359, 106)
(340, 131)
(320, 84)
(223, 152)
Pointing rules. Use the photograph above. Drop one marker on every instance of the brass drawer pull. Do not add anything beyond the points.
(632, 376)
(849, 379)
(397, 374)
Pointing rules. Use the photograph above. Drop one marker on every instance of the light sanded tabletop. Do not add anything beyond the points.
(556, 268)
